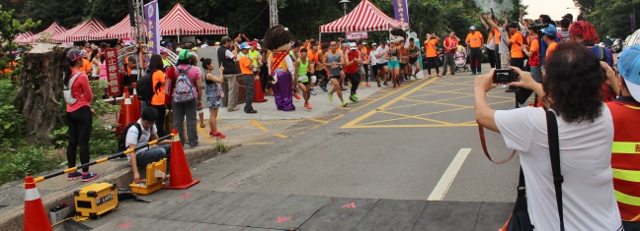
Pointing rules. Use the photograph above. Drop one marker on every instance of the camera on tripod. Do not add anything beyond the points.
(537, 26)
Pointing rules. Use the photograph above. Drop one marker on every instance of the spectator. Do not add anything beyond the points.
(516, 40)
(564, 29)
(568, 17)
(625, 111)
(214, 93)
(158, 81)
(79, 116)
(432, 53)
(584, 33)
(503, 48)
(246, 67)
(226, 59)
(546, 22)
(585, 131)
(189, 108)
(532, 52)
(145, 130)
(491, 44)
(450, 46)
(475, 42)
(549, 38)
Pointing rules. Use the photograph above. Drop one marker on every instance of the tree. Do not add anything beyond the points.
(9, 28)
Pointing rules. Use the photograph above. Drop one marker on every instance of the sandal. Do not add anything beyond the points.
(202, 125)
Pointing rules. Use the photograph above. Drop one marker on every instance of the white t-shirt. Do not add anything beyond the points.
(132, 136)
(372, 58)
(383, 52)
(503, 47)
(585, 163)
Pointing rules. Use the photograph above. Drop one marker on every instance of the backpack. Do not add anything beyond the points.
(145, 87)
(68, 97)
(123, 137)
(183, 91)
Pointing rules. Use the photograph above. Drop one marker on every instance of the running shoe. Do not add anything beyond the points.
(307, 105)
(313, 92)
(353, 98)
(220, 135)
(479, 72)
(74, 175)
(379, 84)
(394, 86)
(439, 75)
(89, 176)
(344, 103)
(430, 76)
(368, 85)
(324, 88)
(330, 97)
(356, 97)
(385, 83)
(362, 84)
(399, 83)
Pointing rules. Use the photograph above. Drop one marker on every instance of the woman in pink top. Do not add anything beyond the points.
(79, 115)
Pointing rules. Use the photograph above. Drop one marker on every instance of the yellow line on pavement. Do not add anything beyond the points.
(258, 125)
(416, 117)
(416, 126)
(368, 114)
(258, 143)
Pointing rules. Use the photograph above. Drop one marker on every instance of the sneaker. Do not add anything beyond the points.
(430, 76)
(353, 98)
(368, 85)
(74, 175)
(330, 97)
(439, 75)
(233, 109)
(473, 73)
(307, 105)
(220, 135)
(89, 176)
(313, 92)
(379, 84)
(356, 97)
(362, 84)
(479, 72)
(385, 83)
(344, 104)
(394, 86)
(324, 88)
(297, 96)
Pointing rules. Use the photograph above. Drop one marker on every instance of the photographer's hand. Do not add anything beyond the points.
(527, 81)
(484, 114)
(612, 79)
(485, 82)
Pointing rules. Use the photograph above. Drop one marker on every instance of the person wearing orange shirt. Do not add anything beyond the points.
(246, 68)
(432, 54)
(475, 42)
(158, 79)
(87, 68)
(550, 38)
(363, 69)
(491, 44)
(314, 56)
(516, 40)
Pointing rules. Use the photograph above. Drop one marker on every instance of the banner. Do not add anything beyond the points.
(152, 18)
(401, 10)
(357, 35)
(111, 61)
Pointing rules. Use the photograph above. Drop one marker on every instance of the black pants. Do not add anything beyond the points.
(496, 53)
(264, 77)
(322, 77)
(491, 54)
(80, 122)
(433, 62)
(355, 81)
(517, 62)
(249, 92)
(475, 55)
(162, 111)
(367, 77)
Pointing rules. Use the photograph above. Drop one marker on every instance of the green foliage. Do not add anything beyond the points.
(611, 17)
(10, 27)
(27, 160)
(11, 121)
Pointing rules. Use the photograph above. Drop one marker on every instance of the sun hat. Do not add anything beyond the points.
(629, 68)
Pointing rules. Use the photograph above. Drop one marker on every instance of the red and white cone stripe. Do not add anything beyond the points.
(31, 194)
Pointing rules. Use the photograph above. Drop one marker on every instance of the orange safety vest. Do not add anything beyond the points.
(625, 159)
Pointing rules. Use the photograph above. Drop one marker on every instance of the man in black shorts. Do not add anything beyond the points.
(381, 61)
(414, 53)
(321, 71)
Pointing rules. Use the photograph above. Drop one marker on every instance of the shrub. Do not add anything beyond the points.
(26, 160)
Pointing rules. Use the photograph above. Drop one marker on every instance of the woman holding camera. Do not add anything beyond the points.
(570, 89)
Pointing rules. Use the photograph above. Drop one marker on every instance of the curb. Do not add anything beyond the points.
(13, 218)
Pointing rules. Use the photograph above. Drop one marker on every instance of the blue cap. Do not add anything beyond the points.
(472, 28)
(244, 45)
(629, 68)
(550, 30)
(184, 54)
(168, 44)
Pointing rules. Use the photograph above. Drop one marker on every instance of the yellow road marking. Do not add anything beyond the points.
(258, 143)
(416, 126)
(416, 117)
(258, 125)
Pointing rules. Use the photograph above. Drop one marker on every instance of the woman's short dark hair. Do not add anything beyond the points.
(573, 83)
(155, 63)
(205, 62)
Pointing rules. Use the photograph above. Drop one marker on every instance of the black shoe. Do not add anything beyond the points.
(252, 111)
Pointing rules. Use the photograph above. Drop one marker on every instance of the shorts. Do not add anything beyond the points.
(304, 79)
(380, 66)
(403, 65)
(413, 61)
(393, 64)
(374, 70)
(335, 77)
(361, 70)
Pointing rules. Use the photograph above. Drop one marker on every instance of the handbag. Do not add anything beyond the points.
(168, 121)
(519, 219)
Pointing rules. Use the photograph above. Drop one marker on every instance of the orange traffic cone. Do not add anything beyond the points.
(180, 173)
(259, 96)
(126, 111)
(35, 217)
(137, 105)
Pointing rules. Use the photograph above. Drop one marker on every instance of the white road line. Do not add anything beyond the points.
(449, 175)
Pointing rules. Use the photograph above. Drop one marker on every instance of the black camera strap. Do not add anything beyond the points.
(554, 152)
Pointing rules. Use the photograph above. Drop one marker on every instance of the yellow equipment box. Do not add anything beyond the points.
(96, 199)
(155, 175)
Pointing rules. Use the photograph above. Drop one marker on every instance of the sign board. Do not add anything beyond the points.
(357, 35)
(111, 61)
(152, 18)
(401, 10)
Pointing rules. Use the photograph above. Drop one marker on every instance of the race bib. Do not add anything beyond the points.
(303, 78)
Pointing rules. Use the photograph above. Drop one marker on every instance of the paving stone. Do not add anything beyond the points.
(448, 216)
(296, 208)
(210, 227)
(170, 225)
(127, 223)
(245, 210)
(164, 204)
(392, 215)
(334, 217)
(207, 206)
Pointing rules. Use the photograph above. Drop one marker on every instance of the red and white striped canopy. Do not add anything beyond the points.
(123, 29)
(53, 30)
(365, 17)
(23, 38)
(180, 22)
(81, 32)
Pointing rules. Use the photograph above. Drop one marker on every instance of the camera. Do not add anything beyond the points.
(505, 76)
(537, 26)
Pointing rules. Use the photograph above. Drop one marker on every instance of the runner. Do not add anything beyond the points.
(343, 76)
(381, 62)
(302, 65)
(414, 53)
(334, 60)
(364, 64)
(313, 55)
(393, 63)
(373, 71)
(403, 54)
(321, 68)
(354, 58)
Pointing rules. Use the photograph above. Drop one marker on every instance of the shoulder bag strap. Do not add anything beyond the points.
(73, 79)
(521, 186)
(554, 152)
(486, 153)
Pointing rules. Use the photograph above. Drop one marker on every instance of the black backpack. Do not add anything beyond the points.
(123, 137)
(145, 87)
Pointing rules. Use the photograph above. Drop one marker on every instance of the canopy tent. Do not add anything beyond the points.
(179, 22)
(23, 38)
(81, 32)
(123, 29)
(365, 17)
(53, 30)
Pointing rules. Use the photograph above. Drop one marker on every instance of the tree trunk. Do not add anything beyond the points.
(40, 90)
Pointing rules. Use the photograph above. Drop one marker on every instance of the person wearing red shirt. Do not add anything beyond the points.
(450, 46)
(79, 115)
(351, 69)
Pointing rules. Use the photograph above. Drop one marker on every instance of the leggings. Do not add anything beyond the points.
(433, 62)
(162, 111)
(355, 81)
(491, 54)
(79, 133)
